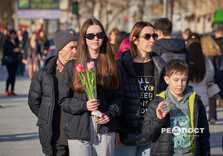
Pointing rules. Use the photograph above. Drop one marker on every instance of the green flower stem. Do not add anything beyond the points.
(90, 88)
(89, 83)
(85, 84)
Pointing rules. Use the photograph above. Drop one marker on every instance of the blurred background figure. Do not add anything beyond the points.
(112, 37)
(165, 46)
(120, 37)
(3, 36)
(11, 50)
(72, 32)
(22, 45)
(219, 39)
(24, 32)
(124, 46)
(44, 44)
(193, 37)
(202, 71)
(34, 55)
(184, 36)
(211, 50)
(51, 50)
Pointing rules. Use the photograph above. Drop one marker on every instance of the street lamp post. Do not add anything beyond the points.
(165, 8)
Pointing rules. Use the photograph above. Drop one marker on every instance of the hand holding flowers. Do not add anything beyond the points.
(88, 80)
(92, 104)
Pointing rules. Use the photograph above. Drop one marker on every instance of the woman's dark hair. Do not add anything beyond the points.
(12, 31)
(193, 37)
(107, 70)
(197, 62)
(120, 37)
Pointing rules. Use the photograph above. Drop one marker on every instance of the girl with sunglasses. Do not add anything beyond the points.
(142, 75)
(86, 135)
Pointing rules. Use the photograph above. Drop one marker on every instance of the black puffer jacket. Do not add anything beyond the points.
(129, 121)
(76, 114)
(41, 101)
(161, 142)
(170, 49)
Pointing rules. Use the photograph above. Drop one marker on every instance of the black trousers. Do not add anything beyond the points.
(11, 76)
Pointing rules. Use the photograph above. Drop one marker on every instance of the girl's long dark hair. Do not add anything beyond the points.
(107, 70)
(197, 62)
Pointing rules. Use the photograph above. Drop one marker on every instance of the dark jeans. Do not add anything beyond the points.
(11, 76)
(21, 68)
(60, 150)
(212, 108)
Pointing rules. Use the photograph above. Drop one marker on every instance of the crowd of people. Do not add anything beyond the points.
(20, 49)
(137, 73)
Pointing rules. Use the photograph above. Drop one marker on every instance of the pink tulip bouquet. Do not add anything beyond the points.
(88, 79)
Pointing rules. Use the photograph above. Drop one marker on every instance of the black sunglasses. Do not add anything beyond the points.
(91, 36)
(148, 36)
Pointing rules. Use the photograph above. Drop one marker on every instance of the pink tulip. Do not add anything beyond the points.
(80, 68)
(90, 65)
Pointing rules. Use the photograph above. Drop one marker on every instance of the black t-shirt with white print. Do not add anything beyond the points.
(146, 79)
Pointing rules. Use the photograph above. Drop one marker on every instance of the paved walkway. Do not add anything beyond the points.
(19, 135)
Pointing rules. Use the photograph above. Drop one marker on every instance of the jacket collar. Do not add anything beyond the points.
(50, 64)
(127, 62)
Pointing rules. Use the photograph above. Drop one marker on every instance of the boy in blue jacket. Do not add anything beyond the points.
(183, 129)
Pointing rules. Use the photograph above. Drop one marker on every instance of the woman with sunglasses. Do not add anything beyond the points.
(142, 75)
(86, 135)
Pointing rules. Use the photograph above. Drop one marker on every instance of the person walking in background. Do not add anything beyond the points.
(88, 136)
(170, 130)
(44, 93)
(184, 36)
(34, 55)
(44, 44)
(11, 50)
(120, 37)
(124, 46)
(219, 39)
(72, 32)
(202, 71)
(25, 33)
(211, 50)
(169, 48)
(23, 48)
(3, 36)
(142, 75)
(193, 37)
(112, 37)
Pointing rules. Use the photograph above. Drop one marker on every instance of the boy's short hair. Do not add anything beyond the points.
(164, 25)
(176, 66)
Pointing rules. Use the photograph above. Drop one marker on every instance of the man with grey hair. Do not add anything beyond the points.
(44, 93)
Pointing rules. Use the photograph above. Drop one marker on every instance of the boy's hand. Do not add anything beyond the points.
(159, 112)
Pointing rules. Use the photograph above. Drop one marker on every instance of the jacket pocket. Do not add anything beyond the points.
(44, 112)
